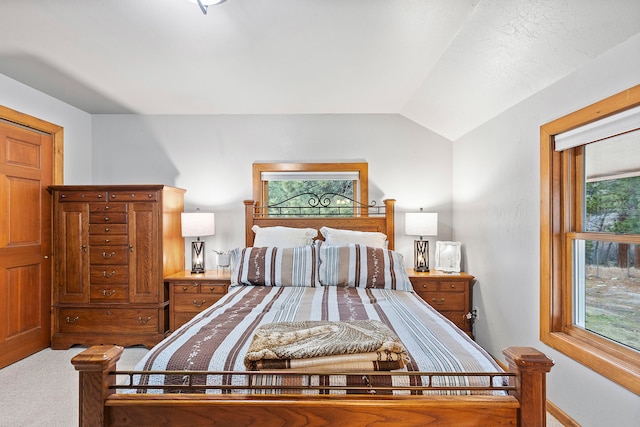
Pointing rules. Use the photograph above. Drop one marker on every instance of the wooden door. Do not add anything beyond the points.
(26, 162)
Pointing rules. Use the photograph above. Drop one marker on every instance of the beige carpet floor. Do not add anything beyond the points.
(42, 390)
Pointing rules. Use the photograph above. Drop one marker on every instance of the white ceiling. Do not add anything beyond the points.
(449, 65)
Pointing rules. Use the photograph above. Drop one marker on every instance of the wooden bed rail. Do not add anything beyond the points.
(100, 406)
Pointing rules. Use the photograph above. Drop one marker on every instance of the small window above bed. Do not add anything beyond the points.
(311, 189)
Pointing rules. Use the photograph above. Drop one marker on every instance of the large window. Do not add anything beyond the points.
(590, 237)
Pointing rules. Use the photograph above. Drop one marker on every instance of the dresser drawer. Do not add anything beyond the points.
(108, 218)
(82, 196)
(122, 320)
(116, 293)
(109, 274)
(133, 196)
(108, 207)
(193, 303)
(108, 239)
(444, 301)
(108, 229)
(109, 255)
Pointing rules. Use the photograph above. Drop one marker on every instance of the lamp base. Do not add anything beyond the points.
(421, 255)
(197, 257)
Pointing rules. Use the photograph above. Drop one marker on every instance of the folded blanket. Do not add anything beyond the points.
(357, 345)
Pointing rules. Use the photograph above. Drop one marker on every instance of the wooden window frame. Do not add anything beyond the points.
(558, 221)
(260, 187)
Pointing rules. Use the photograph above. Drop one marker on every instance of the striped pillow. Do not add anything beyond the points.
(362, 266)
(274, 266)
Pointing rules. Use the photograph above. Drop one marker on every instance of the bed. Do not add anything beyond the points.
(203, 374)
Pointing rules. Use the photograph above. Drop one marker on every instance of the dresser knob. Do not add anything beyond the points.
(438, 302)
(199, 304)
(143, 321)
(70, 320)
(104, 254)
(108, 292)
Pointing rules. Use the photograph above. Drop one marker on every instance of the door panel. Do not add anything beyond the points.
(26, 160)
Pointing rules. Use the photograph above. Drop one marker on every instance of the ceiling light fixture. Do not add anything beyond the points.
(204, 4)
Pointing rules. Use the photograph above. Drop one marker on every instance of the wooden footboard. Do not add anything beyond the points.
(100, 405)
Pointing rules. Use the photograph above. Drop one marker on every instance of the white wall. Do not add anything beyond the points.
(76, 124)
(496, 205)
(211, 157)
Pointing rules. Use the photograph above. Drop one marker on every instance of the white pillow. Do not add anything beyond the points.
(374, 239)
(283, 237)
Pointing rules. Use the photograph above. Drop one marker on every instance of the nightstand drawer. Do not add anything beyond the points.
(218, 289)
(444, 301)
(424, 286)
(452, 286)
(193, 303)
(458, 318)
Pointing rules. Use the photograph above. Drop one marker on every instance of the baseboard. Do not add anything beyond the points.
(561, 416)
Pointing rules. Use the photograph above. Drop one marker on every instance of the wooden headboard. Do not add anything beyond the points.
(382, 222)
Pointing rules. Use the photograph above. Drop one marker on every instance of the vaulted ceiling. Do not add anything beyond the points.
(449, 65)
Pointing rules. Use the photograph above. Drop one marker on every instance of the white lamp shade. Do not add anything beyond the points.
(197, 224)
(421, 224)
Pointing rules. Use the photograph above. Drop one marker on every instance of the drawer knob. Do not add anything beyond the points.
(70, 320)
(108, 292)
(424, 285)
(106, 208)
(185, 288)
(104, 254)
(107, 240)
(212, 288)
(111, 274)
(453, 285)
(438, 302)
(199, 304)
(143, 321)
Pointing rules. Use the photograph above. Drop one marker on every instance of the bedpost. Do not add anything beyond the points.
(249, 210)
(389, 218)
(531, 367)
(93, 365)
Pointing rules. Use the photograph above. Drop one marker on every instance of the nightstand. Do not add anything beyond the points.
(449, 293)
(189, 294)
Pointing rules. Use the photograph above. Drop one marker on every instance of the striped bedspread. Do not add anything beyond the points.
(218, 338)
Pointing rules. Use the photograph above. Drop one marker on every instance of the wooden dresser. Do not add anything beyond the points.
(113, 245)
(189, 294)
(449, 293)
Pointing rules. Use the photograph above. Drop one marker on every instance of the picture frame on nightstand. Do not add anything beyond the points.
(448, 256)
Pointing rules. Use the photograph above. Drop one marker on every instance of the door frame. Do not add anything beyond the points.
(56, 132)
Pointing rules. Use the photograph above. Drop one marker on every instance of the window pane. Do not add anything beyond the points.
(612, 188)
(607, 290)
(311, 197)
